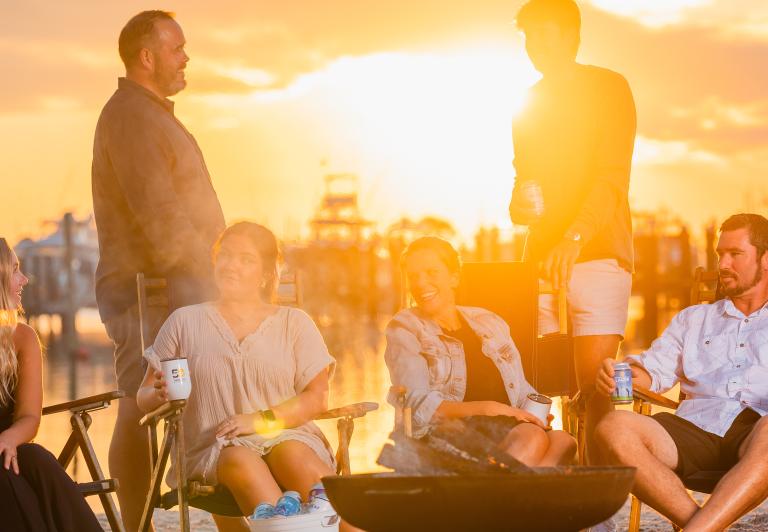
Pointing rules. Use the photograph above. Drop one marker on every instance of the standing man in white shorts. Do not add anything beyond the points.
(574, 143)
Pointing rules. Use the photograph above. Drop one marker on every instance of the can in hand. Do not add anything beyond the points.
(527, 206)
(538, 405)
(622, 376)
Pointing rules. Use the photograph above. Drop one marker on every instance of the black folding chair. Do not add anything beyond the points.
(80, 419)
(511, 290)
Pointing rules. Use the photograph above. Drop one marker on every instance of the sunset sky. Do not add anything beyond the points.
(414, 96)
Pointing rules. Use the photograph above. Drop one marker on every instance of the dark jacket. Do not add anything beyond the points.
(576, 141)
(155, 206)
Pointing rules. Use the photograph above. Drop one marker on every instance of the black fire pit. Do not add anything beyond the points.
(548, 499)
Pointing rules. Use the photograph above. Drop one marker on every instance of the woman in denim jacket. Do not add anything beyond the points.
(457, 362)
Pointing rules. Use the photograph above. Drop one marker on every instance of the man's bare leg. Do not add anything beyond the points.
(741, 489)
(629, 439)
(589, 353)
(129, 462)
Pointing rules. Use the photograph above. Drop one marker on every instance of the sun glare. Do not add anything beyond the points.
(434, 129)
(653, 13)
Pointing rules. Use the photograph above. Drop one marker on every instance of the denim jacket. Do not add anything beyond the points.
(432, 367)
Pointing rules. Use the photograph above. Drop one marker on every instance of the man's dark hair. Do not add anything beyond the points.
(564, 13)
(137, 33)
(757, 226)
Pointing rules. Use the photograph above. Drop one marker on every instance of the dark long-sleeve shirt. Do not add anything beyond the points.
(576, 140)
(155, 207)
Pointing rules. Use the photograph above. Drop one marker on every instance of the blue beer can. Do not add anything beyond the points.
(289, 504)
(622, 376)
(263, 511)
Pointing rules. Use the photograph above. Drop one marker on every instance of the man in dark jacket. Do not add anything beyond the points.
(156, 212)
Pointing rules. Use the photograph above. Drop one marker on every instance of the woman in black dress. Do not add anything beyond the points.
(35, 492)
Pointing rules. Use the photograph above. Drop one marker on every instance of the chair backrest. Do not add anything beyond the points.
(149, 292)
(290, 288)
(511, 290)
(705, 286)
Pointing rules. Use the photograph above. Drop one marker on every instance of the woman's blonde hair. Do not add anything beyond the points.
(9, 316)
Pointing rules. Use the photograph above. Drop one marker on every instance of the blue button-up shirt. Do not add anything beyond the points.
(431, 365)
(720, 358)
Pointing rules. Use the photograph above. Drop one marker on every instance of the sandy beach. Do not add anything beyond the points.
(755, 521)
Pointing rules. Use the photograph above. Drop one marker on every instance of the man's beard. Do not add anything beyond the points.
(168, 83)
(739, 288)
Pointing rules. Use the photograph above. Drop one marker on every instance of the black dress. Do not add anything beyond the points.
(42, 497)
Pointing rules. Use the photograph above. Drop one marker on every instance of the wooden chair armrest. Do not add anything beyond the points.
(163, 411)
(86, 404)
(354, 410)
(648, 396)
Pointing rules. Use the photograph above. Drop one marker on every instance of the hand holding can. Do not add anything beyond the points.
(527, 204)
(538, 405)
(622, 376)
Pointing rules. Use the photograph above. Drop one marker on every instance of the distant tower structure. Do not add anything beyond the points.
(338, 221)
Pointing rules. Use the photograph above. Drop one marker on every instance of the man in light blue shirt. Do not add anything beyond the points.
(718, 353)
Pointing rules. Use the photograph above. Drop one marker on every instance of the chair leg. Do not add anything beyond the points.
(80, 424)
(181, 477)
(634, 514)
(345, 427)
(157, 479)
(581, 438)
(70, 448)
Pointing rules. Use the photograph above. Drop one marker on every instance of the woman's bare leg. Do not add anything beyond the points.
(561, 449)
(297, 467)
(526, 443)
(245, 473)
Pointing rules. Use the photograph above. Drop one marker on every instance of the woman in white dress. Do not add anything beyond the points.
(259, 374)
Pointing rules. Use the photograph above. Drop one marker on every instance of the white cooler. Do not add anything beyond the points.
(318, 522)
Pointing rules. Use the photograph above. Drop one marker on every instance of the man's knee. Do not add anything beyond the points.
(761, 427)
(616, 427)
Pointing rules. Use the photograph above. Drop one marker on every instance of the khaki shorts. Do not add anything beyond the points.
(598, 300)
(123, 330)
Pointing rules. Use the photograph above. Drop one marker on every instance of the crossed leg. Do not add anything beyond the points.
(743, 488)
(532, 446)
(630, 439)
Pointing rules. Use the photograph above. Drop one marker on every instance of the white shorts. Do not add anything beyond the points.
(598, 300)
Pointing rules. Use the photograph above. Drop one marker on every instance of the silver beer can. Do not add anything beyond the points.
(622, 376)
(527, 205)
